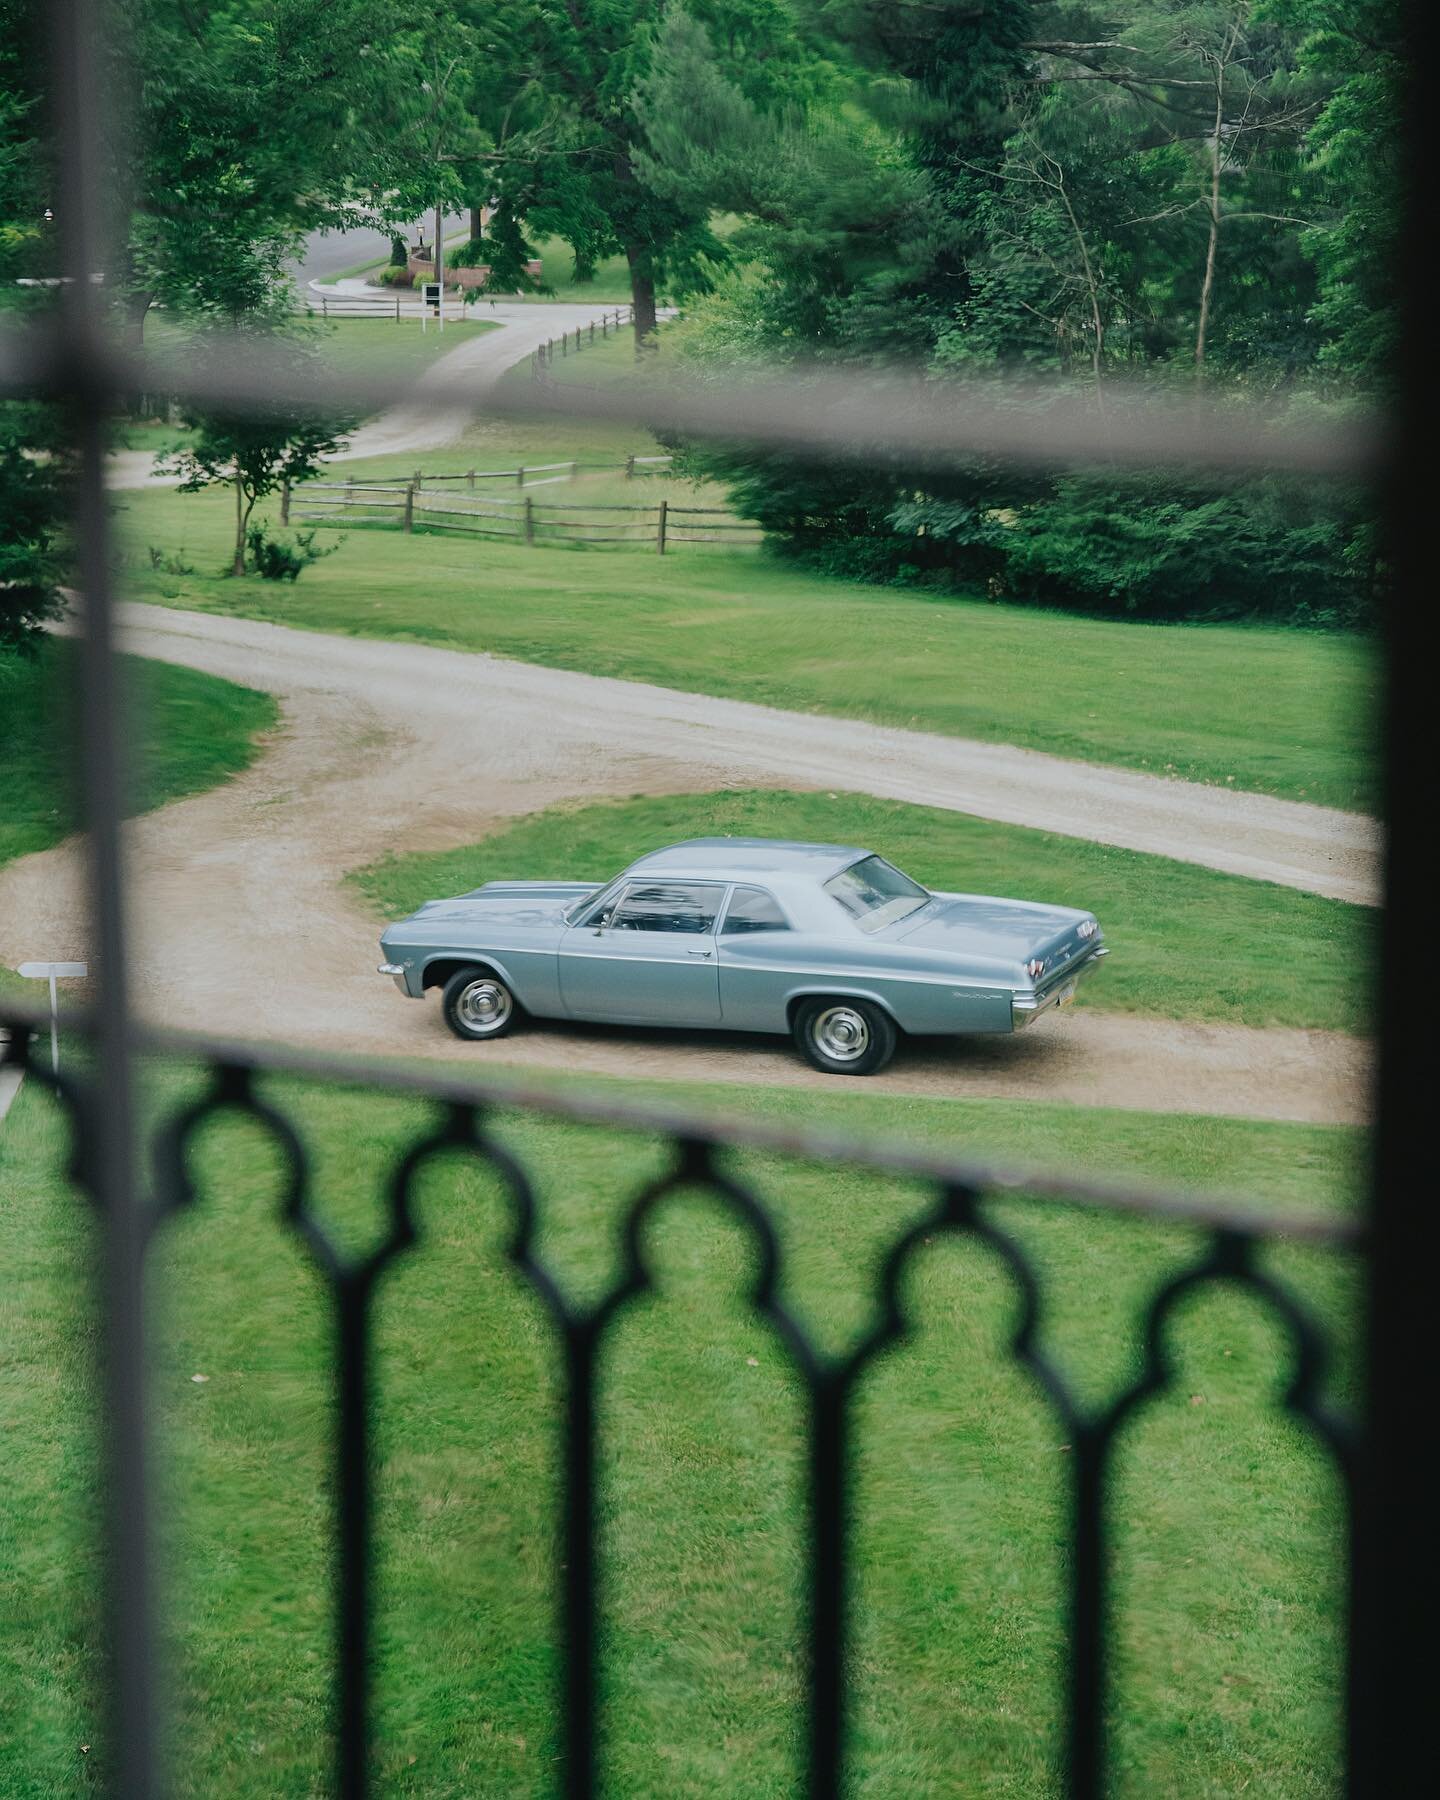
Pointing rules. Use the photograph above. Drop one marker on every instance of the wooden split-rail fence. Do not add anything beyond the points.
(571, 343)
(456, 502)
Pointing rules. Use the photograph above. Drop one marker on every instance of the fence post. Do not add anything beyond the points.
(349, 489)
(660, 531)
(629, 468)
(419, 478)
(592, 331)
(520, 475)
(564, 341)
(397, 306)
(284, 502)
(409, 522)
(529, 520)
(574, 471)
(470, 479)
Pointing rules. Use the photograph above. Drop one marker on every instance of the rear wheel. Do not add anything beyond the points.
(478, 1005)
(844, 1037)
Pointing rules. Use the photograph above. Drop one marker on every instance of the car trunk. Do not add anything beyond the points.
(1009, 931)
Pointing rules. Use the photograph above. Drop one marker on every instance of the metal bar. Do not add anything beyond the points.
(1177, 1207)
(915, 422)
(578, 1539)
(828, 1497)
(82, 141)
(1391, 1634)
(354, 1506)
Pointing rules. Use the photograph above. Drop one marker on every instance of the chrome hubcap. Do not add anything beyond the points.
(483, 1006)
(841, 1033)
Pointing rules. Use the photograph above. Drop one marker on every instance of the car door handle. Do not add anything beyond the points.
(699, 952)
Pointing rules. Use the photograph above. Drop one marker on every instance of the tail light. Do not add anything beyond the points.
(1035, 968)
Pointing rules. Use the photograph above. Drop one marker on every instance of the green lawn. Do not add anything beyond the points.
(1227, 1528)
(377, 347)
(1188, 943)
(1280, 712)
(195, 732)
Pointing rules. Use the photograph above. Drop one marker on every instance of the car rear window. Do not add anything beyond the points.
(875, 893)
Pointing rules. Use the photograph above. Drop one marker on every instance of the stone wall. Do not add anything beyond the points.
(462, 278)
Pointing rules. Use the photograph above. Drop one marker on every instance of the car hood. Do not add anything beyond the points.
(508, 902)
(1003, 930)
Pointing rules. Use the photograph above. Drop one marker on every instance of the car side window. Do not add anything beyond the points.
(668, 906)
(752, 909)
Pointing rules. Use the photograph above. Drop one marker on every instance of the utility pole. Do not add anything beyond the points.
(440, 253)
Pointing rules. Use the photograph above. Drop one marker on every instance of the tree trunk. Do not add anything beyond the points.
(477, 224)
(237, 567)
(1212, 244)
(642, 296)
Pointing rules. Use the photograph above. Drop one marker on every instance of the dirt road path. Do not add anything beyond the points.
(247, 930)
(430, 420)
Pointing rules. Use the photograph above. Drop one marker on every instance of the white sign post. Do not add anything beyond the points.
(53, 972)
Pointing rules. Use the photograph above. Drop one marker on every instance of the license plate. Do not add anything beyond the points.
(1066, 994)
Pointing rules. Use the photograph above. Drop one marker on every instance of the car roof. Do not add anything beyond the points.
(730, 858)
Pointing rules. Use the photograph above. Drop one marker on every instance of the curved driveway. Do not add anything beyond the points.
(401, 746)
(430, 420)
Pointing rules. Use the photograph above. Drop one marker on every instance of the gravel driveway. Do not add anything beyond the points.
(246, 928)
(430, 421)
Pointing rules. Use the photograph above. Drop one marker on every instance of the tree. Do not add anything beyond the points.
(257, 454)
(33, 453)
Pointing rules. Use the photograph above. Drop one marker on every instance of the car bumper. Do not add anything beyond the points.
(1026, 1008)
(398, 974)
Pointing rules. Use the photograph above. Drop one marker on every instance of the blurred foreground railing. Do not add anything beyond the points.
(1232, 1239)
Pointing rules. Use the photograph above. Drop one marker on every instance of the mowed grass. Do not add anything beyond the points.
(1187, 943)
(1279, 712)
(1227, 1529)
(194, 731)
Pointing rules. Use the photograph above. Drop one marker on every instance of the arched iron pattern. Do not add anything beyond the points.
(1228, 1258)
(1233, 1238)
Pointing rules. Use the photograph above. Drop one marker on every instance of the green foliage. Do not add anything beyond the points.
(1196, 185)
(280, 559)
(1167, 547)
(259, 453)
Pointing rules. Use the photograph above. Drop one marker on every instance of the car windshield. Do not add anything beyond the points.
(576, 908)
(875, 893)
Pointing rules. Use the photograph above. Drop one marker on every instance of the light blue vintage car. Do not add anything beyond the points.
(830, 944)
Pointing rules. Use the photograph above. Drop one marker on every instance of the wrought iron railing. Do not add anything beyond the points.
(73, 360)
(1233, 1236)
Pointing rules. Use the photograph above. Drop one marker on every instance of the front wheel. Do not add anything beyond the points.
(844, 1037)
(478, 1005)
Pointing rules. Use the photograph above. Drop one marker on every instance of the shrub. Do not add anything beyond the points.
(276, 560)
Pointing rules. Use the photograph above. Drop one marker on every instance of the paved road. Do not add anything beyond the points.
(402, 747)
(327, 253)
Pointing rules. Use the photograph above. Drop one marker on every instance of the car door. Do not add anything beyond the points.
(646, 956)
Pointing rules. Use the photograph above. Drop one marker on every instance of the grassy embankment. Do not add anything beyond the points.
(195, 731)
(1227, 1531)
(1188, 943)
(1278, 712)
